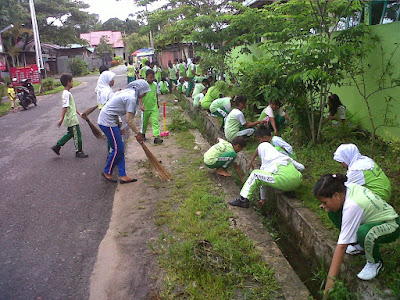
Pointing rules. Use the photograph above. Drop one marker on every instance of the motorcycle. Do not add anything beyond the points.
(26, 94)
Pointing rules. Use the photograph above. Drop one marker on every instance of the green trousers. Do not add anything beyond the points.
(190, 86)
(287, 178)
(154, 115)
(369, 236)
(72, 132)
(175, 81)
(224, 161)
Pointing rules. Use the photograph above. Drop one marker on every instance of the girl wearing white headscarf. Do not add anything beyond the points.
(103, 89)
(122, 103)
(363, 170)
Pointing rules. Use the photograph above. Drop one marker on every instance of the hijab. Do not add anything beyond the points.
(140, 86)
(103, 88)
(349, 154)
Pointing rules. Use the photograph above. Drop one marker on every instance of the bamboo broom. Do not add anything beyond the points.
(161, 172)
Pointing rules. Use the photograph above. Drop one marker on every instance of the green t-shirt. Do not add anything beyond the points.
(172, 73)
(198, 88)
(212, 154)
(182, 70)
(150, 100)
(130, 72)
(70, 118)
(224, 103)
(163, 87)
(212, 94)
(376, 181)
(233, 122)
(157, 72)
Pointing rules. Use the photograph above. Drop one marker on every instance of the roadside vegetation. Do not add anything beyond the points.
(204, 255)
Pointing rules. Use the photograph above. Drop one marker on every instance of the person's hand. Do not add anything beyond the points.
(84, 116)
(59, 123)
(139, 138)
(253, 166)
(276, 132)
(142, 107)
(261, 203)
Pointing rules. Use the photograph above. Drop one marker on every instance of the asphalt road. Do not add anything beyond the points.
(54, 210)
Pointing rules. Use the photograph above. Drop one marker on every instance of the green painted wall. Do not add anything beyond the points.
(357, 110)
(389, 35)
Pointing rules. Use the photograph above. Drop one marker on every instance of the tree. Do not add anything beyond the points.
(135, 42)
(104, 49)
(128, 26)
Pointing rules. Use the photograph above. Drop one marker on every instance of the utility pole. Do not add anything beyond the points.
(38, 48)
(150, 33)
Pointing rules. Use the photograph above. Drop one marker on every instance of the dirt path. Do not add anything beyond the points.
(126, 267)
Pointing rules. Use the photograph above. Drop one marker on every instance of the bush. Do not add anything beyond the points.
(78, 66)
(118, 59)
(48, 84)
(115, 63)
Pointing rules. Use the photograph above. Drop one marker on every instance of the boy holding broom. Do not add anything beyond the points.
(69, 118)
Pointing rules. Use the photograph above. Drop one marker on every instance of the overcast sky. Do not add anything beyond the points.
(112, 9)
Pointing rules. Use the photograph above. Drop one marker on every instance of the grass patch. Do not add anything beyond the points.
(204, 256)
(57, 88)
(5, 108)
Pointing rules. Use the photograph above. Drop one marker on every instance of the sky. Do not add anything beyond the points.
(112, 9)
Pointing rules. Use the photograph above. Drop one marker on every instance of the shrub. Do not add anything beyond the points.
(48, 84)
(118, 59)
(115, 63)
(78, 66)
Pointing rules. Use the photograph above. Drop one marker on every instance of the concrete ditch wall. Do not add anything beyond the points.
(310, 235)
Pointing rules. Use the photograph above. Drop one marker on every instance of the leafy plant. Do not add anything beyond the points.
(78, 66)
(48, 84)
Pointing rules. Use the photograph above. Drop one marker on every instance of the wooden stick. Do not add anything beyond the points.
(96, 131)
(161, 172)
(88, 111)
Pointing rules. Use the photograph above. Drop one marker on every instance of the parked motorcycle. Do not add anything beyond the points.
(26, 94)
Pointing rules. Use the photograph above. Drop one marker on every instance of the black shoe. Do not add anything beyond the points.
(241, 202)
(127, 181)
(158, 141)
(144, 137)
(56, 149)
(81, 154)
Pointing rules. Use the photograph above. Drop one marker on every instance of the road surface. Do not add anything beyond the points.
(54, 210)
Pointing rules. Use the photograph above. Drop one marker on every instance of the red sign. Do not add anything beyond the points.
(2, 63)
(22, 73)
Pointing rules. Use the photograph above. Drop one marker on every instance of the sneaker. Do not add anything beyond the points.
(370, 270)
(56, 149)
(81, 154)
(158, 141)
(241, 202)
(354, 249)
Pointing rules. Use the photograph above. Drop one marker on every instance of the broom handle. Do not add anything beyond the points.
(165, 123)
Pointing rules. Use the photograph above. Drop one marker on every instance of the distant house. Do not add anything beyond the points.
(179, 51)
(114, 38)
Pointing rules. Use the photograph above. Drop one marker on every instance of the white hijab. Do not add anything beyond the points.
(349, 154)
(103, 88)
(140, 86)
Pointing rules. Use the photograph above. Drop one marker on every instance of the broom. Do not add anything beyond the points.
(96, 132)
(88, 111)
(161, 172)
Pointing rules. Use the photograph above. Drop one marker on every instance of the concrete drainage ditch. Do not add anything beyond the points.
(309, 244)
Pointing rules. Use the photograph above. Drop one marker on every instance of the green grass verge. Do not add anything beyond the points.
(204, 256)
(57, 88)
(5, 108)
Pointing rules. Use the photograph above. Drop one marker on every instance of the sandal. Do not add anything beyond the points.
(108, 179)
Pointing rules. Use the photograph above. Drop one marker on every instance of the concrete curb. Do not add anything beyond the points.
(310, 235)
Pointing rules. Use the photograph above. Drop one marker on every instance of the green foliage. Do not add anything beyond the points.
(118, 58)
(48, 84)
(78, 66)
(178, 122)
(204, 256)
(135, 41)
(104, 47)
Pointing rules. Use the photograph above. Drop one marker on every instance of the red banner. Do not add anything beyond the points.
(2, 63)
(22, 73)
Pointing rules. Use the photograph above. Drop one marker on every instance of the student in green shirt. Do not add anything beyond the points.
(199, 87)
(191, 74)
(144, 69)
(69, 119)
(366, 219)
(150, 103)
(221, 107)
(173, 76)
(214, 92)
(131, 72)
(182, 68)
(157, 71)
(222, 155)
